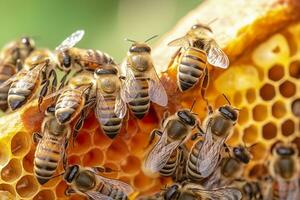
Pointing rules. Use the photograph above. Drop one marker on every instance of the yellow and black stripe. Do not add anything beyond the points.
(191, 167)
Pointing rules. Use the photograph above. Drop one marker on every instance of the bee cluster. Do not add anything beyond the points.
(94, 82)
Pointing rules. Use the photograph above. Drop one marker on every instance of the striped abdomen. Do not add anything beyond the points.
(112, 192)
(23, 88)
(93, 59)
(191, 68)
(47, 156)
(69, 105)
(141, 104)
(171, 165)
(6, 71)
(191, 167)
(113, 124)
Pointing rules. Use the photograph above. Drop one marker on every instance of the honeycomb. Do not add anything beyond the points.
(263, 82)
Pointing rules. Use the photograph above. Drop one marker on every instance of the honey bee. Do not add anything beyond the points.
(11, 59)
(110, 107)
(231, 167)
(70, 57)
(175, 131)
(141, 84)
(197, 49)
(284, 171)
(51, 147)
(192, 191)
(38, 69)
(87, 181)
(206, 155)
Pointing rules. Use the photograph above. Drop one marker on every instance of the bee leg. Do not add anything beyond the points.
(69, 191)
(19, 65)
(204, 84)
(152, 136)
(36, 137)
(63, 80)
(54, 81)
(100, 169)
(166, 115)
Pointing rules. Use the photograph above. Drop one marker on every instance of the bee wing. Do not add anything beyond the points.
(71, 41)
(208, 156)
(12, 78)
(217, 57)
(157, 92)
(120, 107)
(126, 188)
(180, 42)
(129, 86)
(288, 190)
(219, 193)
(94, 195)
(160, 154)
(101, 109)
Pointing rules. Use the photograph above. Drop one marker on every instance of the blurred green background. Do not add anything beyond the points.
(106, 22)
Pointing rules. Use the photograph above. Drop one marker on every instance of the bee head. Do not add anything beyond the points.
(64, 60)
(71, 173)
(139, 48)
(171, 192)
(283, 150)
(187, 117)
(28, 43)
(199, 26)
(229, 112)
(242, 154)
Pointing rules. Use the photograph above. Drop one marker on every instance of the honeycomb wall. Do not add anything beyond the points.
(263, 83)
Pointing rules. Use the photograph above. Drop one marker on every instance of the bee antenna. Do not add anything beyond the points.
(212, 21)
(154, 36)
(193, 104)
(58, 175)
(130, 40)
(225, 97)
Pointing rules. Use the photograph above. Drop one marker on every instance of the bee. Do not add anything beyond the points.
(51, 147)
(70, 57)
(37, 71)
(231, 167)
(197, 49)
(205, 155)
(192, 191)
(284, 171)
(87, 181)
(141, 82)
(110, 107)
(11, 59)
(175, 131)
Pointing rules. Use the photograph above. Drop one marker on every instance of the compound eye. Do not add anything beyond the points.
(67, 61)
(50, 109)
(26, 41)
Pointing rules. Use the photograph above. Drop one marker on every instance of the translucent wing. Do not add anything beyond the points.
(127, 189)
(157, 92)
(217, 57)
(12, 78)
(129, 86)
(180, 42)
(214, 180)
(71, 41)
(293, 191)
(94, 195)
(160, 154)
(101, 109)
(209, 154)
(120, 107)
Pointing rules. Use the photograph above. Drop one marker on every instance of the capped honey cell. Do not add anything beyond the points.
(276, 72)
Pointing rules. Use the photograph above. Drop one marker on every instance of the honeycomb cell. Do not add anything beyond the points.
(234, 137)
(117, 151)
(94, 157)
(276, 72)
(91, 122)
(82, 144)
(250, 134)
(294, 69)
(74, 159)
(296, 141)
(131, 165)
(27, 186)
(60, 189)
(278, 109)
(251, 95)
(4, 154)
(11, 171)
(267, 92)
(287, 89)
(45, 194)
(243, 116)
(296, 107)
(237, 98)
(260, 112)
(8, 188)
(288, 127)
(259, 151)
(28, 160)
(258, 171)
(100, 140)
(142, 182)
(20, 144)
(139, 142)
(269, 131)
